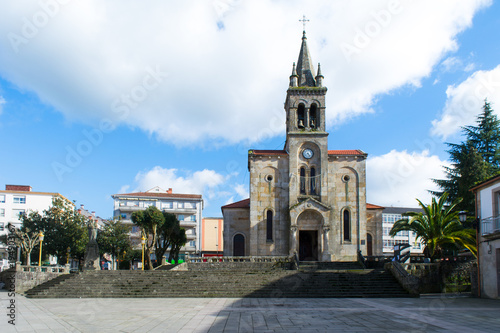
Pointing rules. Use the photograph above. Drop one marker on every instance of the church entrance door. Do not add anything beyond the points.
(308, 245)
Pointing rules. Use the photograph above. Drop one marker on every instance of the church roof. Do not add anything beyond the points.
(238, 204)
(371, 206)
(349, 152)
(267, 152)
(305, 70)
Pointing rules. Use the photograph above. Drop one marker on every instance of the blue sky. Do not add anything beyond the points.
(103, 98)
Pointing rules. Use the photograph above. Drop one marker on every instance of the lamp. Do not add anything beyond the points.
(40, 237)
(462, 216)
(143, 241)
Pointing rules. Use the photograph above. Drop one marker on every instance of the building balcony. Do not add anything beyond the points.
(490, 227)
(130, 208)
(188, 224)
(191, 236)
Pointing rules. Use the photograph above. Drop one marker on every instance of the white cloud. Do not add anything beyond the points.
(215, 71)
(199, 182)
(451, 64)
(2, 102)
(398, 178)
(465, 100)
(242, 190)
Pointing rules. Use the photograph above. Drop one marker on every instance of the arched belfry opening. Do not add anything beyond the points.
(301, 116)
(313, 116)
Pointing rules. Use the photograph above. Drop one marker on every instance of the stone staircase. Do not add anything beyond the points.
(311, 280)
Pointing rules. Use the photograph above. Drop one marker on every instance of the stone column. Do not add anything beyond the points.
(326, 249)
(293, 239)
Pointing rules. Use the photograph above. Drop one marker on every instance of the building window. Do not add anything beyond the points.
(313, 181)
(123, 216)
(269, 225)
(2, 212)
(301, 116)
(192, 243)
(2, 198)
(180, 205)
(167, 205)
(17, 212)
(347, 225)
(302, 180)
(313, 119)
(19, 199)
(180, 217)
(190, 218)
(1, 226)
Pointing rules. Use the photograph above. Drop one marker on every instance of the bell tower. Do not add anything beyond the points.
(306, 137)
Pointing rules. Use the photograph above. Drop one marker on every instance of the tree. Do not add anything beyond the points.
(486, 137)
(113, 238)
(170, 227)
(438, 227)
(473, 161)
(26, 239)
(178, 240)
(63, 228)
(149, 220)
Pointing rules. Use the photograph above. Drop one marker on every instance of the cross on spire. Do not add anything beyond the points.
(304, 22)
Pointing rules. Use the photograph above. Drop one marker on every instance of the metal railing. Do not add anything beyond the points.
(490, 225)
(45, 269)
(277, 259)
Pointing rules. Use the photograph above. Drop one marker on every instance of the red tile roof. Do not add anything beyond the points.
(346, 152)
(239, 204)
(267, 152)
(371, 206)
(159, 195)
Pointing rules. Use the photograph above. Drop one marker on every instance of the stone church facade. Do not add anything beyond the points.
(304, 199)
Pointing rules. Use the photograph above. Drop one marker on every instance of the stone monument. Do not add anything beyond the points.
(91, 261)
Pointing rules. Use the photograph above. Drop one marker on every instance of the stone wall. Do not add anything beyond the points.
(27, 277)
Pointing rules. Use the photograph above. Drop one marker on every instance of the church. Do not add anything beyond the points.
(305, 199)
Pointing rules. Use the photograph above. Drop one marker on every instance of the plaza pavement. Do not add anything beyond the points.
(426, 314)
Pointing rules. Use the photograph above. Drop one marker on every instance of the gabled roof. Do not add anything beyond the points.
(486, 182)
(350, 152)
(238, 204)
(371, 206)
(158, 195)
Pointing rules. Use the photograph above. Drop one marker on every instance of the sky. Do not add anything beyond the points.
(99, 98)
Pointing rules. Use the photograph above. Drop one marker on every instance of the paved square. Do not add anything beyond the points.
(436, 314)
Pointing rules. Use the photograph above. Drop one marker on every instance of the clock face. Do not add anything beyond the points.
(307, 153)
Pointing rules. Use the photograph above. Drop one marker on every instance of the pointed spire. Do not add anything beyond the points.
(319, 77)
(305, 70)
(294, 77)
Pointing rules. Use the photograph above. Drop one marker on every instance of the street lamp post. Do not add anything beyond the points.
(68, 251)
(143, 241)
(40, 237)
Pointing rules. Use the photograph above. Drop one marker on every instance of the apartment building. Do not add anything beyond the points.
(389, 216)
(212, 236)
(20, 199)
(187, 208)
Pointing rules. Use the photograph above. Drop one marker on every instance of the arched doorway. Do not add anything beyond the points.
(239, 245)
(369, 245)
(309, 237)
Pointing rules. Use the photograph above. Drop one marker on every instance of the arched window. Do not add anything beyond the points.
(313, 118)
(301, 116)
(313, 181)
(302, 180)
(269, 225)
(239, 245)
(347, 225)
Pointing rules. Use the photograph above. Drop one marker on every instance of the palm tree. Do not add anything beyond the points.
(438, 227)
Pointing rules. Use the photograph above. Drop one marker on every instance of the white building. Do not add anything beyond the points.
(389, 216)
(488, 212)
(19, 199)
(187, 208)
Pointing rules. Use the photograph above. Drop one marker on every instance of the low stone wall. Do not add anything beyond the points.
(237, 263)
(23, 278)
